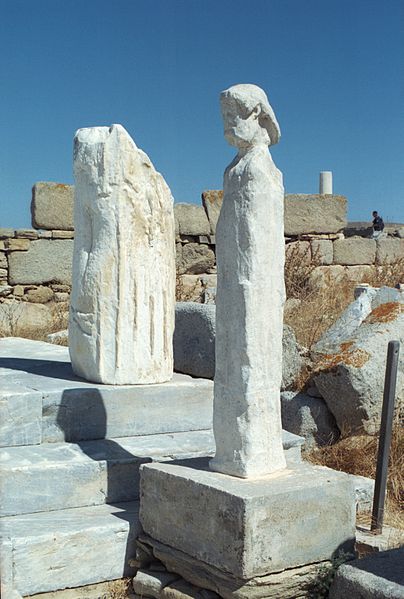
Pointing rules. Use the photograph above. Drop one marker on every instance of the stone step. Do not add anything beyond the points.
(67, 548)
(43, 401)
(55, 476)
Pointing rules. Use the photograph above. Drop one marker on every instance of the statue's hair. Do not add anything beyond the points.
(249, 96)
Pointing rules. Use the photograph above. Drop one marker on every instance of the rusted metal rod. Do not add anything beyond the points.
(385, 436)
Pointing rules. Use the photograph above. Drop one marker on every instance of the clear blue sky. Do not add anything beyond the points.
(333, 71)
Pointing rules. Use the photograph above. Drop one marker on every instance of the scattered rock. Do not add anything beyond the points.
(20, 319)
(307, 213)
(195, 258)
(322, 251)
(192, 219)
(189, 288)
(17, 245)
(45, 261)
(181, 590)
(379, 576)
(292, 361)
(212, 201)
(58, 337)
(389, 250)
(41, 295)
(354, 250)
(351, 360)
(3, 260)
(194, 339)
(5, 290)
(308, 417)
(152, 584)
(52, 206)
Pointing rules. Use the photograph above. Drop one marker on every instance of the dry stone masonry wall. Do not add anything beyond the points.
(35, 264)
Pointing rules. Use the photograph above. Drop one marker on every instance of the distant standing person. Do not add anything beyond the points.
(378, 225)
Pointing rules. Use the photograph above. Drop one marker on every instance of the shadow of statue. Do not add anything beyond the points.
(82, 419)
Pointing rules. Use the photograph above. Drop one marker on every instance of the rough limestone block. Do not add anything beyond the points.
(5, 233)
(284, 520)
(123, 293)
(195, 258)
(299, 250)
(348, 322)
(192, 219)
(322, 249)
(52, 206)
(354, 250)
(350, 362)
(194, 339)
(67, 548)
(23, 318)
(45, 261)
(249, 245)
(389, 250)
(308, 417)
(20, 414)
(378, 576)
(292, 360)
(151, 584)
(212, 201)
(17, 245)
(3, 260)
(189, 288)
(314, 213)
(289, 584)
(26, 233)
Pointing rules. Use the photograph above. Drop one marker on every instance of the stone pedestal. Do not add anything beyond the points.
(248, 528)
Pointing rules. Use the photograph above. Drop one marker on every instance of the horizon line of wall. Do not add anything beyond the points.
(35, 264)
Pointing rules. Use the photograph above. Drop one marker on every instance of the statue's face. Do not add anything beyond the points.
(241, 127)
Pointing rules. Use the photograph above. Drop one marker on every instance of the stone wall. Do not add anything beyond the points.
(35, 264)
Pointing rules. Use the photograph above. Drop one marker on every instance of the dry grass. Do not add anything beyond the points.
(387, 274)
(300, 262)
(358, 455)
(120, 589)
(321, 305)
(318, 310)
(14, 323)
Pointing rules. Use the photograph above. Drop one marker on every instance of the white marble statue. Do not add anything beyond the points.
(250, 293)
(123, 293)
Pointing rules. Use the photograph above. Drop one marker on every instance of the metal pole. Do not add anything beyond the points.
(385, 436)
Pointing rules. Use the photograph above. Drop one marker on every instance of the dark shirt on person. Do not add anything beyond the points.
(378, 224)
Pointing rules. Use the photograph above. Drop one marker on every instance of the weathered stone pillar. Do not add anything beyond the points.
(250, 293)
(123, 293)
(325, 183)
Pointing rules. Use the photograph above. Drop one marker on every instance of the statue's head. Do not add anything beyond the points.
(248, 117)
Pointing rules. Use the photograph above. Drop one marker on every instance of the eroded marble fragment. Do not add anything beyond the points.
(123, 296)
(250, 293)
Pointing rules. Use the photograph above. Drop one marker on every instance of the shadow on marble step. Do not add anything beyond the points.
(41, 400)
(67, 548)
(56, 476)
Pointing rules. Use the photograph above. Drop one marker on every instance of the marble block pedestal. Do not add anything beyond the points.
(249, 528)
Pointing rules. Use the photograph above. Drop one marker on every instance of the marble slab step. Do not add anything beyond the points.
(55, 476)
(43, 401)
(67, 548)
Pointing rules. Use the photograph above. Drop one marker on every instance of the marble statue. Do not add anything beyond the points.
(123, 293)
(250, 293)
